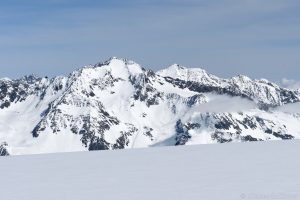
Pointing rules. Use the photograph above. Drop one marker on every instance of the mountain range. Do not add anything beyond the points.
(117, 104)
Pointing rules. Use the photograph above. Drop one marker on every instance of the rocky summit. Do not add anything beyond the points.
(117, 104)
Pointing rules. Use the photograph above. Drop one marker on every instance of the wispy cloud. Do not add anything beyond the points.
(292, 108)
(291, 84)
(223, 103)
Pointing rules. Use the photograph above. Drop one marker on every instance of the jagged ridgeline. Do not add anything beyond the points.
(118, 104)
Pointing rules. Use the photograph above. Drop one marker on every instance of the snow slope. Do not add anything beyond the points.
(117, 104)
(258, 170)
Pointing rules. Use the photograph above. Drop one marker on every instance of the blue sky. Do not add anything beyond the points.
(53, 37)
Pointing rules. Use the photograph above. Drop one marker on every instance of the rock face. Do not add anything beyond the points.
(3, 150)
(118, 104)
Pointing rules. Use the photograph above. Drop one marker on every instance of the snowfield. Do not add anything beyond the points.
(257, 170)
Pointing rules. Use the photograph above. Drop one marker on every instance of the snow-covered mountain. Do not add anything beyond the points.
(118, 104)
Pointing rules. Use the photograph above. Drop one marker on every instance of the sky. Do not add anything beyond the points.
(258, 38)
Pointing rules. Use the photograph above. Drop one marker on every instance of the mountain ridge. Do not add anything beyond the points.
(118, 104)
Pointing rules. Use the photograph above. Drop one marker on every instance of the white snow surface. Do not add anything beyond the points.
(258, 170)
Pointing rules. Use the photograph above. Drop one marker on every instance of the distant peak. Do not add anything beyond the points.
(5, 79)
(117, 67)
(30, 78)
(181, 72)
(172, 70)
(242, 78)
(117, 58)
(114, 58)
(176, 66)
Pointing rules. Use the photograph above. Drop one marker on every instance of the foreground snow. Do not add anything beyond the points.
(259, 170)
